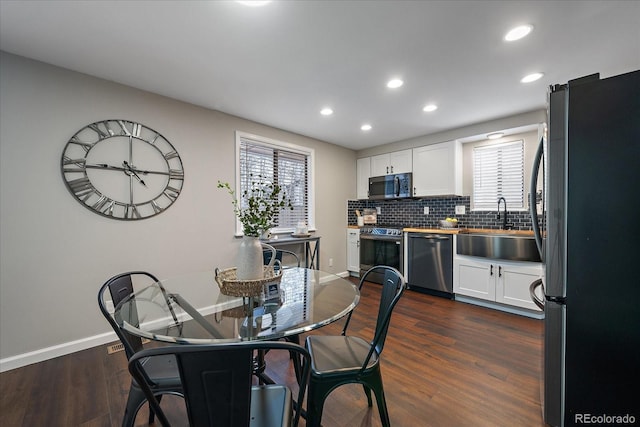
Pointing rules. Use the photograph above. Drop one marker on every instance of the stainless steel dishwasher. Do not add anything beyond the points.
(431, 263)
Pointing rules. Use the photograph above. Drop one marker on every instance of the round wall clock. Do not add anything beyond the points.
(122, 169)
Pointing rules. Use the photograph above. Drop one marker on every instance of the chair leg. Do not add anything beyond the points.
(315, 404)
(378, 389)
(135, 400)
(367, 391)
(297, 368)
(151, 412)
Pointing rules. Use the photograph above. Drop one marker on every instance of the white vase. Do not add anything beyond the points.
(249, 262)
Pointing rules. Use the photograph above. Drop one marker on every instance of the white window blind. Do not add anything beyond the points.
(289, 168)
(498, 171)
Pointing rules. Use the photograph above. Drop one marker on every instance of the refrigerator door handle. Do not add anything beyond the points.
(532, 292)
(532, 198)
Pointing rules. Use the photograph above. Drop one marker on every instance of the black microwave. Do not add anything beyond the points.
(394, 186)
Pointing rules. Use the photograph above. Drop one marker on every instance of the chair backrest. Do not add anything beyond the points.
(393, 286)
(217, 380)
(266, 256)
(120, 287)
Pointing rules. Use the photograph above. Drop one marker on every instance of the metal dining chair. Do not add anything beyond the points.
(160, 373)
(279, 254)
(339, 360)
(218, 388)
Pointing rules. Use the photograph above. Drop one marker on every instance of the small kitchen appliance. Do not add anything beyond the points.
(370, 216)
(393, 186)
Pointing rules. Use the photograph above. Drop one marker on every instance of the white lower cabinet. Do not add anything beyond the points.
(353, 250)
(505, 282)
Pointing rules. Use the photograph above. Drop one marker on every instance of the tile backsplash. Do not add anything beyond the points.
(410, 213)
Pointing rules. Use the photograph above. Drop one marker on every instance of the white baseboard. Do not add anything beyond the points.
(58, 350)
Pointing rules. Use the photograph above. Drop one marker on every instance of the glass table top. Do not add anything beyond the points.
(191, 309)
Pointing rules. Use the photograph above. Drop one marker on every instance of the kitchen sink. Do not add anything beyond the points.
(501, 244)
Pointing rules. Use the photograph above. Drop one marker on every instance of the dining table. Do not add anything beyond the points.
(191, 309)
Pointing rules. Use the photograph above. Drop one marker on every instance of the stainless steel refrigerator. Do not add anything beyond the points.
(589, 238)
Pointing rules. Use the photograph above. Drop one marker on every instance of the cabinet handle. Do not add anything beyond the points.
(491, 270)
(391, 169)
(387, 169)
(499, 271)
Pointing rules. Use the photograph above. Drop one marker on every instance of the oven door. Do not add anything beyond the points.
(378, 250)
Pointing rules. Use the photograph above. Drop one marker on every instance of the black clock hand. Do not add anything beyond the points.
(121, 169)
(105, 166)
(130, 169)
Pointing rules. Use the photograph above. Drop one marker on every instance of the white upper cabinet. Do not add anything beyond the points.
(437, 169)
(396, 162)
(363, 171)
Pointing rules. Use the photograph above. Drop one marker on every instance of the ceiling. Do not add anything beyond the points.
(282, 63)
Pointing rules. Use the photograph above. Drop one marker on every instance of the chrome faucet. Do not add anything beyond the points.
(505, 226)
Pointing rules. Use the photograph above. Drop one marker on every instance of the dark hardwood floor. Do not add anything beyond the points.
(445, 363)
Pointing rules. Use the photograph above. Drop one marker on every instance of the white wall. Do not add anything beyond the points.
(55, 254)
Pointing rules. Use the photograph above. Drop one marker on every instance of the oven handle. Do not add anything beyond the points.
(381, 238)
(430, 237)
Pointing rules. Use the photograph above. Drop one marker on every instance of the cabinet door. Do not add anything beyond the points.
(380, 165)
(363, 171)
(401, 161)
(437, 169)
(353, 250)
(396, 162)
(512, 286)
(474, 278)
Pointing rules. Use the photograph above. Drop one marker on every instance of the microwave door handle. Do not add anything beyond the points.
(532, 198)
(396, 186)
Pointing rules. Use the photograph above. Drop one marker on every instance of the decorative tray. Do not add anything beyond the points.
(300, 235)
(230, 285)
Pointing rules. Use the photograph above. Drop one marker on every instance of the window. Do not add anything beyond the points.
(498, 171)
(287, 164)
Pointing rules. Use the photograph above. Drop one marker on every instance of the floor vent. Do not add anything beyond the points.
(115, 348)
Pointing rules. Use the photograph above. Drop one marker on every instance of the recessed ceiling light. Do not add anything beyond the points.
(365, 127)
(532, 77)
(496, 135)
(394, 83)
(254, 3)
(430, 107)
(518, 32)
(326, 111)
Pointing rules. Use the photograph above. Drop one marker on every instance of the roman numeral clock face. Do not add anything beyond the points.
(122, 169)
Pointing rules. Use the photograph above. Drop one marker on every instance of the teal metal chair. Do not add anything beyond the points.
(339, 360)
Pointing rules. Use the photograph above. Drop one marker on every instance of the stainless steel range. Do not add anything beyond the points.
(380, 245)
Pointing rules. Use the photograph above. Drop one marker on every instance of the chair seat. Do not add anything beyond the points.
(271, 406)
(338, 354)
(163, 370)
